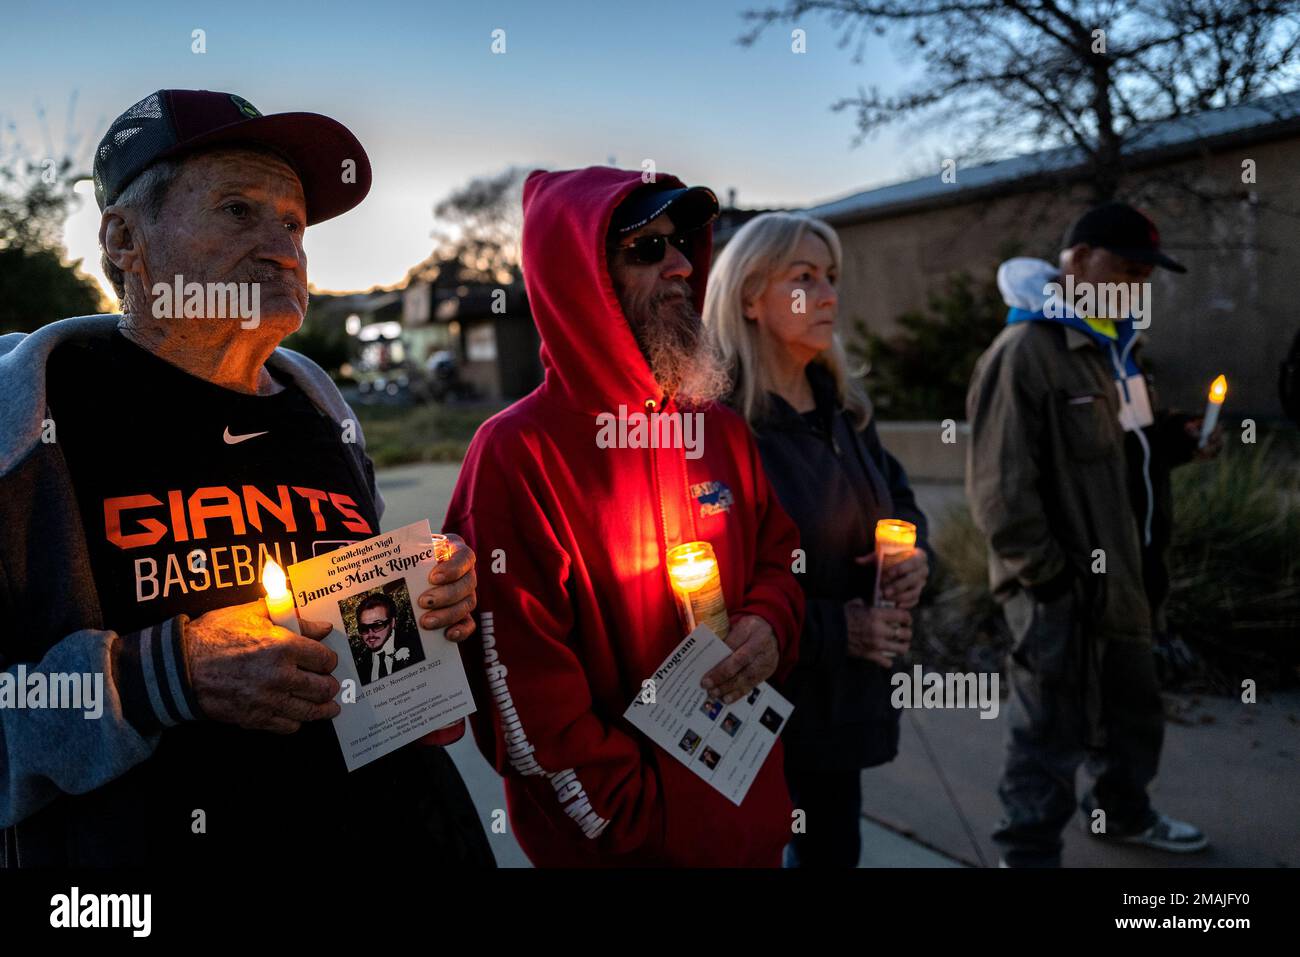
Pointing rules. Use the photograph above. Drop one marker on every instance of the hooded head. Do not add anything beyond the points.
(592, 357)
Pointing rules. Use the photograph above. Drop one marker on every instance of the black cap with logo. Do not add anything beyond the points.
(172, 123)
(689, 207)
(1121, 229)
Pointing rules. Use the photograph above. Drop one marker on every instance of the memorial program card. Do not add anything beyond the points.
(725, 744)
(399, 681)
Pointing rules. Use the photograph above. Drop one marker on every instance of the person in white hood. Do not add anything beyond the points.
(1068, 477)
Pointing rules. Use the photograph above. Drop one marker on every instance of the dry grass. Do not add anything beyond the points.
(396, 435)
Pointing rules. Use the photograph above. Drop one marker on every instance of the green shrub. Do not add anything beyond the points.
(922, 372)
(38, 287)
(1234, 565)
(960, 626)
(1235, 561)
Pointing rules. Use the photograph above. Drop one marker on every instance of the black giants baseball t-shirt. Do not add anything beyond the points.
(185, 488)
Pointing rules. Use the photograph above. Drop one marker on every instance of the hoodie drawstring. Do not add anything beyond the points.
(1121, 364)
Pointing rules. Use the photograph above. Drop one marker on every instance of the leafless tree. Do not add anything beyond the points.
(478, 231)
(1012, 76)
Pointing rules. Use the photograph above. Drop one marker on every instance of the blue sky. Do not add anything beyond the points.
(417, 82)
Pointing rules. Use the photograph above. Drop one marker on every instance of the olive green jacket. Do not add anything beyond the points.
(1046, 475)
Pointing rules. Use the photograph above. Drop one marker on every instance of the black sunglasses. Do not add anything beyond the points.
(380, 625)
(648, 250)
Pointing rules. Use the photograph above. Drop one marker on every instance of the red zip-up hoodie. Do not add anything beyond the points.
(574, 604)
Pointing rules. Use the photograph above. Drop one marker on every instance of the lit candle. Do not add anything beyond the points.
(895, 542)
(1218, 392)
(693, 571)
(441, 548)
(279, 603)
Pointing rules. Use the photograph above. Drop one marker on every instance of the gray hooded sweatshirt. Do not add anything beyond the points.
(50, 616)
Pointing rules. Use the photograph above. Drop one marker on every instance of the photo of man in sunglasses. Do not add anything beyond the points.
(384, 647)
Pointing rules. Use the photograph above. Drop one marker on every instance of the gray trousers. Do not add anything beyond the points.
(1074, 699)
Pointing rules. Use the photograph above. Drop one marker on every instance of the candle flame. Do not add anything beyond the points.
(691, 562)
(273, 579)
(1218, 390)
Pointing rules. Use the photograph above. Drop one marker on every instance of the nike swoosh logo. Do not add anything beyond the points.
(236, 439)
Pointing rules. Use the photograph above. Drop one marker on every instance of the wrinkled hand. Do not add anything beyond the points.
(248, 671)
(878, 635)
(753, 659)
(1213, 445)
(903, 583)
(453, 595)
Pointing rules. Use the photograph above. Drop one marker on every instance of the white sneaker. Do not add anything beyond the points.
(1169, 834)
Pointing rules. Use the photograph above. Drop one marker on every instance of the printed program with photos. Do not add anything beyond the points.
(725, 744)
(399, 681)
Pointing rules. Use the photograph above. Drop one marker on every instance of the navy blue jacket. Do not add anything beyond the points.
(835, 481)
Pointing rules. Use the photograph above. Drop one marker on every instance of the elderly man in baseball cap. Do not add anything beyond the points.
(150, 464)
(1068, 477)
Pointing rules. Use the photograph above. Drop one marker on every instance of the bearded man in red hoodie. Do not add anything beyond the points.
(575, 605)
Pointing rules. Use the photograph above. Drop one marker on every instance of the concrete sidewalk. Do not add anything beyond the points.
(1231, 768)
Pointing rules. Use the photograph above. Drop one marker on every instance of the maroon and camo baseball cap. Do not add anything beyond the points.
(171, 123)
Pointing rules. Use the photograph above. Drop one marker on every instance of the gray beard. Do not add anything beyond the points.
(683, 361)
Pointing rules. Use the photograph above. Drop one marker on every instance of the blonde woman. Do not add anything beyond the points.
(771, 309)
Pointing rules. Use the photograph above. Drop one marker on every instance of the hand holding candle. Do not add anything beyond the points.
(449, 734)
(895, 543)
(279, 601)
(452, 593)
(1218, 392)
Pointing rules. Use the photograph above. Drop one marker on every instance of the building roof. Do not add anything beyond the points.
(359, 302)
(1262, 119)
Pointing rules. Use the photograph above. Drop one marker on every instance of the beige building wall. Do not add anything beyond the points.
(1233, 312)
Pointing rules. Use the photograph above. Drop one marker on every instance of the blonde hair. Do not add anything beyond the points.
(759, 249)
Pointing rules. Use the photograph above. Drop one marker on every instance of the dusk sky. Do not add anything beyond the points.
(580, 83)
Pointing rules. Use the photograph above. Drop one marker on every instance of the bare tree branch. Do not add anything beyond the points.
(1088, 74)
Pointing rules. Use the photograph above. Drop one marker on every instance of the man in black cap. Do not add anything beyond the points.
(649, 246)
(181, 450)
(584, 486)
(1068, 477)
